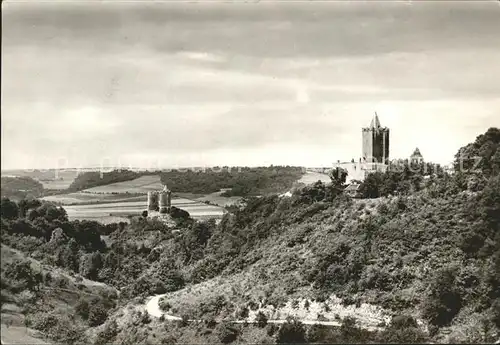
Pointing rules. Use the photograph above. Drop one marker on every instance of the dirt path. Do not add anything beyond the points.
(153, 309)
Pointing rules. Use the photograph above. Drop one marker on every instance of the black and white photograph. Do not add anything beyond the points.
(250, 172)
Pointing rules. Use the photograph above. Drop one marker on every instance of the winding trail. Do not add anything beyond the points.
(153, 309)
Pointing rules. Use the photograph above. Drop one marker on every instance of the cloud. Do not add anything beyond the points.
(292, 82)
(200, 56)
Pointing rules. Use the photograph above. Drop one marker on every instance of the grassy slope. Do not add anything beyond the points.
(49, 299)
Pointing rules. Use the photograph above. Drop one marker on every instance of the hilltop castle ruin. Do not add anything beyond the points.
(160, 201)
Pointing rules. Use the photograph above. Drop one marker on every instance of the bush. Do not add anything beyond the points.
(43, 323)
(403, 321)
(97, 315)
(22, 273)
(82, 308)
(54, 326)
(261, 319)
(226, 333)
(145, 318)
(291, 332)
(443, 299)
(107, 335)
(403, 329)
(316, 333)
(348, 327)
(8, 209)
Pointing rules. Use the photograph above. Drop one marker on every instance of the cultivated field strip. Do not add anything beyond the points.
(142, 184)
(105, 212)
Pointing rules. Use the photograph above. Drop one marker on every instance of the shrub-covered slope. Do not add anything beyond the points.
(432, 251)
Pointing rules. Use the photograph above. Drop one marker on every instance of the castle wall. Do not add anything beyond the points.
(359, 171)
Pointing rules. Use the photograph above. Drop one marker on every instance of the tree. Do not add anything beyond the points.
(27, 204)
(21, 271)
(90, 265)
(349, 329)
(291, 332)
(107, 335)
(370, 188)
(171, 278)
(9, 209)
(226, 333)
(403, 329)
(481, 155)
(67, 255)
(97, 315)
(338, 176)
(443, 299)
(179, 214)
(490, 203)
(261, 319)
(82, 308)
(53, 213)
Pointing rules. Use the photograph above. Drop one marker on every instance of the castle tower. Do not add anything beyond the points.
(152, 201)
(165, 200)
(376, 142)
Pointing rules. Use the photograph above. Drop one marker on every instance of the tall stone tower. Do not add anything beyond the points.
(376, 142)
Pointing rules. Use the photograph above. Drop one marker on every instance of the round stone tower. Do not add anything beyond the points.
(152, 201)
(165, 200)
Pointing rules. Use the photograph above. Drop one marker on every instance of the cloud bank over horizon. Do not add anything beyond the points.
(243, 84)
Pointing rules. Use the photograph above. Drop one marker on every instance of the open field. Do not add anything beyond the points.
(118, 211)
(141, 185)
(217, 199)
(311, 177)
(115, 202)
(91, 198)
(50, 179)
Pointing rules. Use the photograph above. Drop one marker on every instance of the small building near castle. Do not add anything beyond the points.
(416, 157)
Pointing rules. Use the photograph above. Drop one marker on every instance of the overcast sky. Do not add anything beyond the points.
(243, 84)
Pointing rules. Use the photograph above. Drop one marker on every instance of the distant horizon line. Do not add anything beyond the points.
(193, 167)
